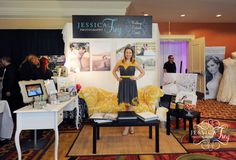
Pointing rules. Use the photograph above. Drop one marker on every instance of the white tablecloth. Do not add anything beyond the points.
(6, 122)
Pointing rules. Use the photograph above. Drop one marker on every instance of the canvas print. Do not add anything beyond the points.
(78, 58)
(173, 83)
(145, 54)
(145, 49)
(101, 56)
(147, 62)
(214, 70)
(101, 62)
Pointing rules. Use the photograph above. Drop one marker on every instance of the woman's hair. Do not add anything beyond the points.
(217, 61)
(31, 58)
(44, 64)
(132, 60)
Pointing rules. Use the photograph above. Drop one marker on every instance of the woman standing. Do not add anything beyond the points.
(127, 92)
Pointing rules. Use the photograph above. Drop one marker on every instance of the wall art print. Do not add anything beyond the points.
(78, 58)
(101, 56)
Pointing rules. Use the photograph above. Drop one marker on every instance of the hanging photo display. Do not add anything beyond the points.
(78, 58)
(145, 53)
(214, 70)
(101, 56)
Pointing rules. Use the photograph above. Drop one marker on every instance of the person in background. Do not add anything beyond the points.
(214, 71)
(44, 71)
(10, 88)
(29, 68)
(169, 66)
(127, 92)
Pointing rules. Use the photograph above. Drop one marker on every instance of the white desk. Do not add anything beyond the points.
(50, 117)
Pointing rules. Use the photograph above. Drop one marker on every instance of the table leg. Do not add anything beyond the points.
(94, 139)
(177, 122)
(98, 132)
(56, 143)
(150, 132)
(17, 142)
(35, 138)
(198, 118)
(190, 130)
(157, 137)
(168, 123)
(77, 117)
(184, 123)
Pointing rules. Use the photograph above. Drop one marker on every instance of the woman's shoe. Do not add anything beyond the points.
(131, 130)
(125, 131)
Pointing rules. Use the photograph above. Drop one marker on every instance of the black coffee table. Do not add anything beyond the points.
(130, 122)
(180, 113)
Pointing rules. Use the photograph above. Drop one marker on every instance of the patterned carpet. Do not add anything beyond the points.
(208, 108)
(215, 109)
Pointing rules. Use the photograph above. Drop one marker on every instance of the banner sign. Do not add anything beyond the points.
(112, 26)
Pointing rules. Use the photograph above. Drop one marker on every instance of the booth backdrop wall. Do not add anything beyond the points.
(105, 79)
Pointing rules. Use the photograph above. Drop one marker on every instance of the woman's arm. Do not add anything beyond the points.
(115, 69)
(141, 70)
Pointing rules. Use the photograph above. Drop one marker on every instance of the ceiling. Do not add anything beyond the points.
(197, 11)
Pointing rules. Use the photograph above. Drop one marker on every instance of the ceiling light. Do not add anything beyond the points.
(145, 14)
(182, 15)
(218, 15)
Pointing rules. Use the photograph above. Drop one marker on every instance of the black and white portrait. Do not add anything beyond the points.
(214, 71)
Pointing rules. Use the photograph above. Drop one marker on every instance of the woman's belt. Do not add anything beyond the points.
(125, 76)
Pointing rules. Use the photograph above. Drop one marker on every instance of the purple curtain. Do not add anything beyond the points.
(177, 48)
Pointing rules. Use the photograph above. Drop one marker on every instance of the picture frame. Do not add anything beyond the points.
(24, 88)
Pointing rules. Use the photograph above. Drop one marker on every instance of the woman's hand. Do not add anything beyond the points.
(133, 77)
(119, 79)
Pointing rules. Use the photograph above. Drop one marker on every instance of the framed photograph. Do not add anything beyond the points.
(31, 89)
(50, 87)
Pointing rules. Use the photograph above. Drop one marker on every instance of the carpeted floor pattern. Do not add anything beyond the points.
(223, 112)
(217, 110)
